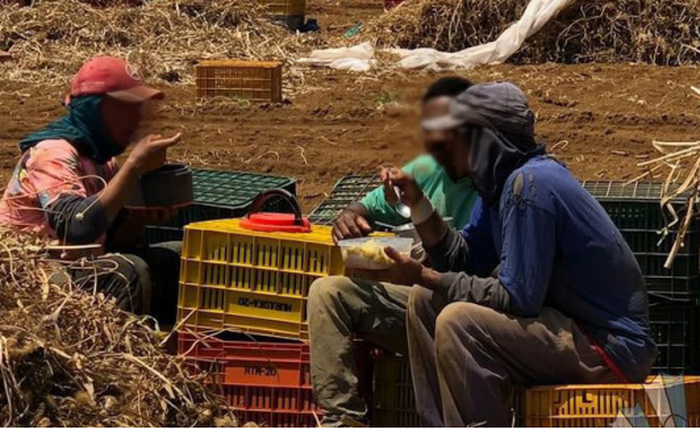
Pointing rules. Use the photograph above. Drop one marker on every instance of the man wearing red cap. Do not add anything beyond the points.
(66, 184)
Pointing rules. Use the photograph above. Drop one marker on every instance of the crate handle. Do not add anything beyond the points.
(261, 199)
(660, 298)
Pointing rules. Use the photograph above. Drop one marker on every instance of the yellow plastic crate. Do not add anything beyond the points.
(651, 404)
(255, 81)
(237, 279)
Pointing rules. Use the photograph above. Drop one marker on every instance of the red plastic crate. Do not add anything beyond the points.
(234, 363)
(265, 382)
(272, 399)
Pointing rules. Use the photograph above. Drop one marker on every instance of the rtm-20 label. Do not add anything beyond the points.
(265, 305)
(264, 371)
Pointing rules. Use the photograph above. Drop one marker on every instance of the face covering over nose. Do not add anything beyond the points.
(82, 127)
(497, 120)
(493, 156)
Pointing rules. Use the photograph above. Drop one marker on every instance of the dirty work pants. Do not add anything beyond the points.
(465, 358)
(341, 309)
(144, 281)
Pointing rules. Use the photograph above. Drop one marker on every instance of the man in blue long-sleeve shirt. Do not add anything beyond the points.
(569, 304)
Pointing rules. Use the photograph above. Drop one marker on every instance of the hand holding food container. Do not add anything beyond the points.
(382, 258)
(369, 253)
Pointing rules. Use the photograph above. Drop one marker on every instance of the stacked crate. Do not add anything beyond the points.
(234, 279)
(673, 293)
(221, 195)
(267, 382)
(256, 282)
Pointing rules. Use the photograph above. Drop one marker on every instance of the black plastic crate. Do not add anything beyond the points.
(223, 195)
(346, 191)
(393, 399)
(228, 189)
(161, 234)
(636, 211)
(675, 332)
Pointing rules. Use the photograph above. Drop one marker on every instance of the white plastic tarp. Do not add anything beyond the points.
(356, 58)
(359, 58)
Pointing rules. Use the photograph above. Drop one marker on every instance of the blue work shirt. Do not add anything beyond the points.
(558, 248)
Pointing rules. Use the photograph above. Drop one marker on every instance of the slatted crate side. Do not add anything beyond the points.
(255, 282)
(222, 195)
(231, 189)
(280, 419)
(674, 330)
(252, 81)
(250, 363)
(636, 211)
(265, 381)
(346, 191)
(393, 400)
(602, 405)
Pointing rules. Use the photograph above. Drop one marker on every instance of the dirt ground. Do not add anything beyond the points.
(598, 118)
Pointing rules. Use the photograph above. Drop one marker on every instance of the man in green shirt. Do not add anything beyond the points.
(451, 198)
(342, 309)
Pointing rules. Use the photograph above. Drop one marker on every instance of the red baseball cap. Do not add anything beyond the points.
(114, 77)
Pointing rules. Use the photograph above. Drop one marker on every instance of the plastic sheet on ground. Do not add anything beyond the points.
(359, 58)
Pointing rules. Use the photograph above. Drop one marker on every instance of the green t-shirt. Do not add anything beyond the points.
(451, 199)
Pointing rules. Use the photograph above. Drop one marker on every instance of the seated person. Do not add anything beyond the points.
(451, 197)
(67, 186)
(340, 309)
(569, 305)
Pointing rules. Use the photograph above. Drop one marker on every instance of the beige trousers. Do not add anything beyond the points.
(341, 309)
(465, 358)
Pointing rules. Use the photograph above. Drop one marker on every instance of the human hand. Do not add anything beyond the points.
(410, 192)
(404, 271)
(150, 153)
(350, 224)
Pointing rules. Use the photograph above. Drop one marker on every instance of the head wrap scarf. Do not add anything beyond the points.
(499, 124)
(83, 127)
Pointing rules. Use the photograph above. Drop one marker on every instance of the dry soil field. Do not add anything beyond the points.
(598, 118)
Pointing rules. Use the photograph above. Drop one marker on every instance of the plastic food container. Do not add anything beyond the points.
(368, 253)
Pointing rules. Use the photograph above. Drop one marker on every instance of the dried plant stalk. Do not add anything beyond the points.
(681, 183)
(648, 31)
(163, 38)
(71, 358)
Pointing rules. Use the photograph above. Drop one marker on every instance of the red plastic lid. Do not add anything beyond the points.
(275, 222)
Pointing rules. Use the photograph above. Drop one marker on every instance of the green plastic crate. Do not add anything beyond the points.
(222, 195)
(675, 332)
(346, 191)
(636, 211)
